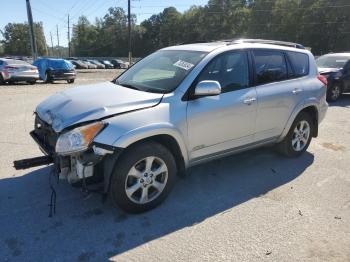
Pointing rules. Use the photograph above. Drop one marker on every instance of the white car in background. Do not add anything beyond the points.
(12, 70)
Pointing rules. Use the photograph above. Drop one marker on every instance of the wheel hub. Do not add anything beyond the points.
(147, 179)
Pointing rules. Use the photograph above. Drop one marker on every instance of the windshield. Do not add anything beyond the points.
(162, 71)
(60, 64)
(332, 61)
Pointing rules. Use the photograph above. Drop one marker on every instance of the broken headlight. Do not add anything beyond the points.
(77, 139)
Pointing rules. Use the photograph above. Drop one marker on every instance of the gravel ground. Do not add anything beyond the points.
(256, 206)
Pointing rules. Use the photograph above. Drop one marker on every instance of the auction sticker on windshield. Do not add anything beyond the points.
(183, 64)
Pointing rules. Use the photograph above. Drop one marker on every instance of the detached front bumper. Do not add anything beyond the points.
(98, 161)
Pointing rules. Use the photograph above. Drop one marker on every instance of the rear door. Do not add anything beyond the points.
(278, 89)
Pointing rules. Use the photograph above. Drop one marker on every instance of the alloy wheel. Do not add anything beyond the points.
(335, 92)
(301, 135)
(146, 180)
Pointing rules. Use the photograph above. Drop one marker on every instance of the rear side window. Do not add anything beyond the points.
(300, 63)
(270, 66)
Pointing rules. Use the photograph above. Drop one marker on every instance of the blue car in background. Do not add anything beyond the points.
(51, 69)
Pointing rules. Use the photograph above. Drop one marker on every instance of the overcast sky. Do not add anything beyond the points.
(54, 12)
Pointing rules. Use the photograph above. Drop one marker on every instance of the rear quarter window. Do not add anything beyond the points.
(300, 63)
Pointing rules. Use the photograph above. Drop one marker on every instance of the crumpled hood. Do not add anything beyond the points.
(92, 102)
(324, 70)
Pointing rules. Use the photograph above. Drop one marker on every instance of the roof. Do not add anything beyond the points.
(228, 44)
(204, 47)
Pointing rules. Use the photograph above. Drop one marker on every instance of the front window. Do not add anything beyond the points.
(332, 61)
(162, 71)
(229, 69)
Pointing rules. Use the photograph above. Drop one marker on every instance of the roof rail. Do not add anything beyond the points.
(264, 41)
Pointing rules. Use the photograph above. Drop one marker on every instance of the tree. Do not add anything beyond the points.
(17, 39)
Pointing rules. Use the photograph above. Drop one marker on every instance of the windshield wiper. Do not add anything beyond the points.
(127, 85)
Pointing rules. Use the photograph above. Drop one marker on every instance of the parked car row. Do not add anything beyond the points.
(98, 64)
(46, 69)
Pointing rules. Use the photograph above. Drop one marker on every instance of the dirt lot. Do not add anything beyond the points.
(256, 206)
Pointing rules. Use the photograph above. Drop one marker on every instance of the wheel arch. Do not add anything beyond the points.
(310, 108)
(166, 135)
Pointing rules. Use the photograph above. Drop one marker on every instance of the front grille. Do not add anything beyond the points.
(44, 135)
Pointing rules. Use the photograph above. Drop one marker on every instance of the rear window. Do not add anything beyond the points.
(270, 66)
(300, 63)
(60, 64)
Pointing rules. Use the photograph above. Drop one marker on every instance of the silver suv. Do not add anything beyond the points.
(178, 107)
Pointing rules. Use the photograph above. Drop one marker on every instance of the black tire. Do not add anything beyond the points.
(334, 92)
(48, 78)
(2, 82)
(285, 147)
(128, 159)
(31, 82)
(70, 81)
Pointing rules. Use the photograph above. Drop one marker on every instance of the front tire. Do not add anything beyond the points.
(299, 136)
(31, 82)
(334, 92)
(70, 81)
(143, 177)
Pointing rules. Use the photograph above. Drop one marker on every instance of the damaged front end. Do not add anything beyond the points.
(75, 156)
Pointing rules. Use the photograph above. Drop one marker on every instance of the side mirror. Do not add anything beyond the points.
(207, 88)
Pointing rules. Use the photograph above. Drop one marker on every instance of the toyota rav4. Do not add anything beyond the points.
(178, 107)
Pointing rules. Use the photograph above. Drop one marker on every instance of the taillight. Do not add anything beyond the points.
(322, 79)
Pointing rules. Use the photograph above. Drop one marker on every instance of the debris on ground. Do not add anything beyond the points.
(268, 252)
(300, 213)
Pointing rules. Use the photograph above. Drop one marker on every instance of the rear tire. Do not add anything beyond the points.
(146, 167)
(334, 92)
(70, 81)
(2, 82)
(299, 136)
(31, 82)
(48, 78)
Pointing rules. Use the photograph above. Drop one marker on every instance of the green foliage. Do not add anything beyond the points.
(16, 39)
(323, 25)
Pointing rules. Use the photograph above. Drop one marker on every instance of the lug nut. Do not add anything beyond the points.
(141, 180)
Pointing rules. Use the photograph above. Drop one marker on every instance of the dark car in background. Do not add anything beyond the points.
(98, 64)
(107, 64)
(336, 68)
(55, 69)
(119, 64)
(12, 70)
(89, 64)
(79, 64)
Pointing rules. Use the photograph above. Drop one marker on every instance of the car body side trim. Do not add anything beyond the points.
(232, 151)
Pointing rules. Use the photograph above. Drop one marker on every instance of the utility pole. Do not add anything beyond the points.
(31, 31)
(68, 38)
(129, 32)
(52, 53)
(58, 42)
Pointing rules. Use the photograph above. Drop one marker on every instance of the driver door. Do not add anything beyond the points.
(217, 124)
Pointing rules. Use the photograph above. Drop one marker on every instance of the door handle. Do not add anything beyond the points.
(249, 101)
(297, 91)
